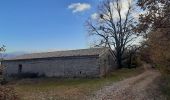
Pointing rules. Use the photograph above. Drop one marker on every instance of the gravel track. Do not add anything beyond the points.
(139, 87)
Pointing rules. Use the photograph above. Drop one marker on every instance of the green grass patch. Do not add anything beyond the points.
(67, 89)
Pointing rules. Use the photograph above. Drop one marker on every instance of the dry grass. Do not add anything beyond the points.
(66, 89)
(165, 85)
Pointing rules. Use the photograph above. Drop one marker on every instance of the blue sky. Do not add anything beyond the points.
(44, 25)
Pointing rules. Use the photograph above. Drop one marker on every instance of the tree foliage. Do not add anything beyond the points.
(157, 15)
(155, 22)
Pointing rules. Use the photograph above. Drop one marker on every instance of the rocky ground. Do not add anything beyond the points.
(141, 87)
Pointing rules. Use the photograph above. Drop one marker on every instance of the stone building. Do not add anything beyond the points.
(94, 62)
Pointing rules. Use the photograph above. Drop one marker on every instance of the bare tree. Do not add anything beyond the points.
(113, 28)
(2, 50)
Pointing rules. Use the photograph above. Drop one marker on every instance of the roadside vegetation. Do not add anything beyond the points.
(155, 25)
(165, 86)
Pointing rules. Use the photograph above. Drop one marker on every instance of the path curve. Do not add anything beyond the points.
(139, 87)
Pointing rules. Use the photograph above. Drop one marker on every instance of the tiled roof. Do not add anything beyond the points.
(68, 53)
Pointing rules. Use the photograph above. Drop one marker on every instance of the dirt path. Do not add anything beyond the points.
(140, 87)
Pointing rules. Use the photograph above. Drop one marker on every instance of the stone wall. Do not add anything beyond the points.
(56, 67)
(107, 63)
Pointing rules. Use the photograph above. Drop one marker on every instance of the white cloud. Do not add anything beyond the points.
(79, 7)
(94, 16)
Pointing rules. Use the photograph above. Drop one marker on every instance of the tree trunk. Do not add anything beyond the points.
(130, 61)
(119, 59)
(119, 63)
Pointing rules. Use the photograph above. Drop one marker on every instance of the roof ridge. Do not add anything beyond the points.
(65, 50)
(66, 53)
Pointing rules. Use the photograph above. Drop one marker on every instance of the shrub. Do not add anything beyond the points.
(28, 75)
(25, 75)
(165, 85)
(3, 81)
(8, 93)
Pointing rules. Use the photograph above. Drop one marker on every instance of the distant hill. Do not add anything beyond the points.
(13, 54)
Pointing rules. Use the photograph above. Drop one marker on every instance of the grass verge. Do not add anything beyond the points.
(67, 89)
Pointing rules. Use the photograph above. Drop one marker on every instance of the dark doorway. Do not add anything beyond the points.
(19, 68)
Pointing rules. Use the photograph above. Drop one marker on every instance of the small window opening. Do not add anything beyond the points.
(19, 68)
(80, 72)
